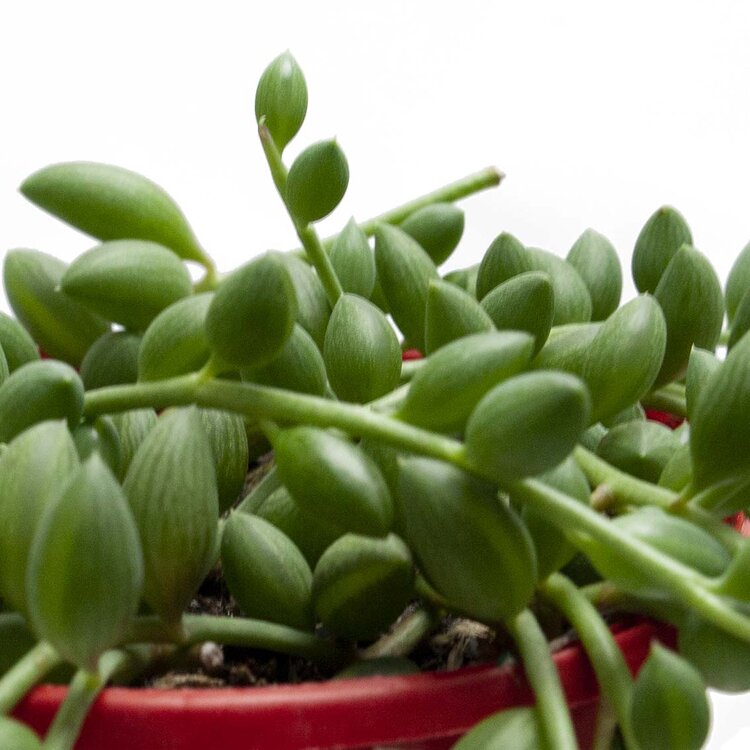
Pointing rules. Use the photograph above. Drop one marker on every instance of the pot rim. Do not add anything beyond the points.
(356, 712)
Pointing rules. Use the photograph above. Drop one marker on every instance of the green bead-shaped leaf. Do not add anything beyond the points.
(720, 657)
(701, 366)
(281, 99)
(33, 469)
(676, 537)
(111, 360)
(228, 440)
(625, 357)
(741, 320)
(112, 203)
(527, 424)
(507, 257)
(471, 547)
(175, 342)
(572, 298)
(639, 448)
(444, 391)
(317, 181)
(127, 281)
(661, 237)
(266, 573)
(331, 477)
(132, 427)
(18, 347)
(720, 427)
(525, 302)
(678, 471)
(63, 327)
(738, 282)
(669, 708)
(313, 308)
(252, 313)
(312, 534)
(361, 352)
(99, 436)
(171, 487)
(361, 585)
(464, 278)
(567, 348)
(405, 271)
(85, 568)
(17, 736)
(597, 262)
(38, 391)
(553, 550)
(4, 369)
(298, 367)
(353, 260)
(516, 728)
(690, 297)
(437, 228)
(451, 314)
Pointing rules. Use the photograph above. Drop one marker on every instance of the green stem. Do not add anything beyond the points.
(405, 636)
(27, 672)
(410, 367)
(473, 183)
(670, 399)
(606, 658)
(237, 631)
(264, 489)
(306, 233)
(581, 524)
(554, 717)
(84, 688)
(261, 402)
(629, 490)
(210, 280)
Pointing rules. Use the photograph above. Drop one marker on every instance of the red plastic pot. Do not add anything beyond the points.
(427, 711)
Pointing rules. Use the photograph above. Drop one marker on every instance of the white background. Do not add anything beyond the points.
(598, 112)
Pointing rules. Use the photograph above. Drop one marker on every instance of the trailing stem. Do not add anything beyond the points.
(84, 688)
(27, 672)
(261, 402)
(306, 232)
(606, 658)
(584, 526)
(237, 631)
(486, 178)
(552, 710)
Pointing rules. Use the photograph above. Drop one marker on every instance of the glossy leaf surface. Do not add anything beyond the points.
(63, 327)
(470, 546)
(171, 488)
(361, 352)
(266, 572)
(127, 281)
(527, 424)
(445, 390)
(451, 314)
(86, 542)
(361, 585)
(112, 203)
(329, 476)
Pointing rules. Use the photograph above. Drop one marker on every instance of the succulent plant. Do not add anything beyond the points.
(476, 480)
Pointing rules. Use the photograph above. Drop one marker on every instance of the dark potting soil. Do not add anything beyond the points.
(456, 642)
